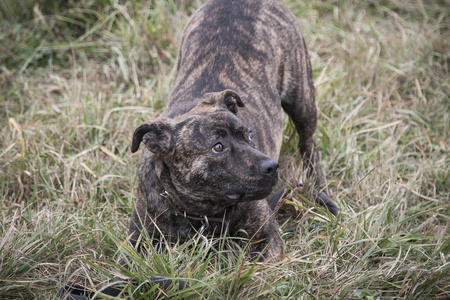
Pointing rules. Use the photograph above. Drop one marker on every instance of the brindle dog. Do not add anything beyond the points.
(211, 157)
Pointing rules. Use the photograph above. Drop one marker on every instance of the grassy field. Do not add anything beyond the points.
(76, 78)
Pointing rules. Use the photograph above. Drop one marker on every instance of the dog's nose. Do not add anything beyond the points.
(269, 167)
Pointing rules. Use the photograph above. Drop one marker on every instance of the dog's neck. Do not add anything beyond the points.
(167, 191)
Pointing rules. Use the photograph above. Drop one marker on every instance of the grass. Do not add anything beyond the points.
(76, 78)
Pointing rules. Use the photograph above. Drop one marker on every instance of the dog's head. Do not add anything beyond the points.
(209, 155)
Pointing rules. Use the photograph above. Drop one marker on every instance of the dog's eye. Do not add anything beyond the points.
(218, 148)
(250, 136)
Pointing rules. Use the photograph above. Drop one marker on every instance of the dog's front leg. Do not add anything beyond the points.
(258, 221)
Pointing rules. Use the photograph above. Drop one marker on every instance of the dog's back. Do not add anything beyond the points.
(253, 47)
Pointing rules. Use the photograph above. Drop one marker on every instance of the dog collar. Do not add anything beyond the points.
(202, 218)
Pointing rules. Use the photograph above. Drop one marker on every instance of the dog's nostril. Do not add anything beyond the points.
(269, 166)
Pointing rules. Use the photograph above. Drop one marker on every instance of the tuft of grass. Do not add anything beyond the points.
(77, 77)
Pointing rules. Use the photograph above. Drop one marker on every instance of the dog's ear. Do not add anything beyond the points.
(231, 100)
(227, 98)
(157, 136)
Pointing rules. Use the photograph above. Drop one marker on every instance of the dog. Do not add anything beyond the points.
(210, 159)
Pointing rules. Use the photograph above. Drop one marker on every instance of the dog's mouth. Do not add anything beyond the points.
(234, 197)
(249, 194)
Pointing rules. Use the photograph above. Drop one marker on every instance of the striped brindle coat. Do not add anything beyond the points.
(214, 150)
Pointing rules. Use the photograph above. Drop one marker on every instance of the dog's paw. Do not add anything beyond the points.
(323, 199)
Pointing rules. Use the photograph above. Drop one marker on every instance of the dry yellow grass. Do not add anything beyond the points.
(76, 79)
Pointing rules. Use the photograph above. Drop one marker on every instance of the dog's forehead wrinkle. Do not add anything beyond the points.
(188, 129)
(202, 127)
